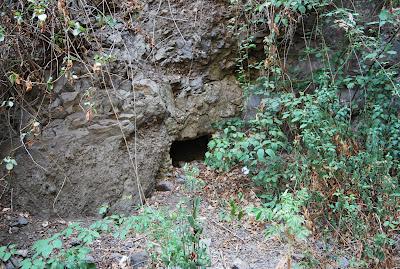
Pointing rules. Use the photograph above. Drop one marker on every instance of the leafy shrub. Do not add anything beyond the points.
(345, 152)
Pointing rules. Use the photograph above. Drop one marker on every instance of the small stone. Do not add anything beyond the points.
(116, 256)
(75, 242)
(68, 97)
(14, 230)
(220, 44)
(196, 83)
(138, 259)
(320, 245)
(115, 38)
(343, 263)
(90, 259)
(180, 179)
(22, 252)
(163, 53)
(268, 226)
(129, 245)
(21, 221)
(239, 264)
(55, 104)
(123, 261)
(206, 242)
(298, 256)
(165, 186)
(397, 242)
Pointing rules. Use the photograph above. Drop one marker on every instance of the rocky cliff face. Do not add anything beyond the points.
(161, 74)
(167, 75)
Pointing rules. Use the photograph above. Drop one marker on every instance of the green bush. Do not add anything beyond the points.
(344, 152)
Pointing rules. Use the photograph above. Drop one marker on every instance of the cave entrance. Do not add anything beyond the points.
(189, 150)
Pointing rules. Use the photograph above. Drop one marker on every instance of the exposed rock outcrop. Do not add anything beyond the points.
(109, 125)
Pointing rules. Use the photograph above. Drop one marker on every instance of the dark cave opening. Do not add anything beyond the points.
(189, 150)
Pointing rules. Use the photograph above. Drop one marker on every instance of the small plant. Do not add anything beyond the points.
(192, 182)
(185, 248)
(14, 78)
(106, 20)
(287, 221)
(8, 103)
(50, 84)
(76, 28)
(18, 17)
(178, 232)
(235, 211)
(39, 11)
(88, 105)
(103, 210)
(10, 163)
(6, 252)
(285, 215)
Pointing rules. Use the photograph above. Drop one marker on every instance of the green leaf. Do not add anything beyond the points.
(211, 144)
(46, 251)
(277, 18)
(103, 209)
(68, 232)
(39, 263)
(57, 265)
(43, 248)
(350, 85)
(302, 9)
(191, 221)
(2, 35)
(85, 265)
(260, 154)
(6, 256)
(26, 264)
(258, 216)
(57, 244)
(383, 17)
(270, 153)
(240, 215)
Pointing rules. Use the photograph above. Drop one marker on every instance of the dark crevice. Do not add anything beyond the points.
(189, 150)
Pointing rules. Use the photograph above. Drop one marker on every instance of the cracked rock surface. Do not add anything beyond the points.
(109, 126)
